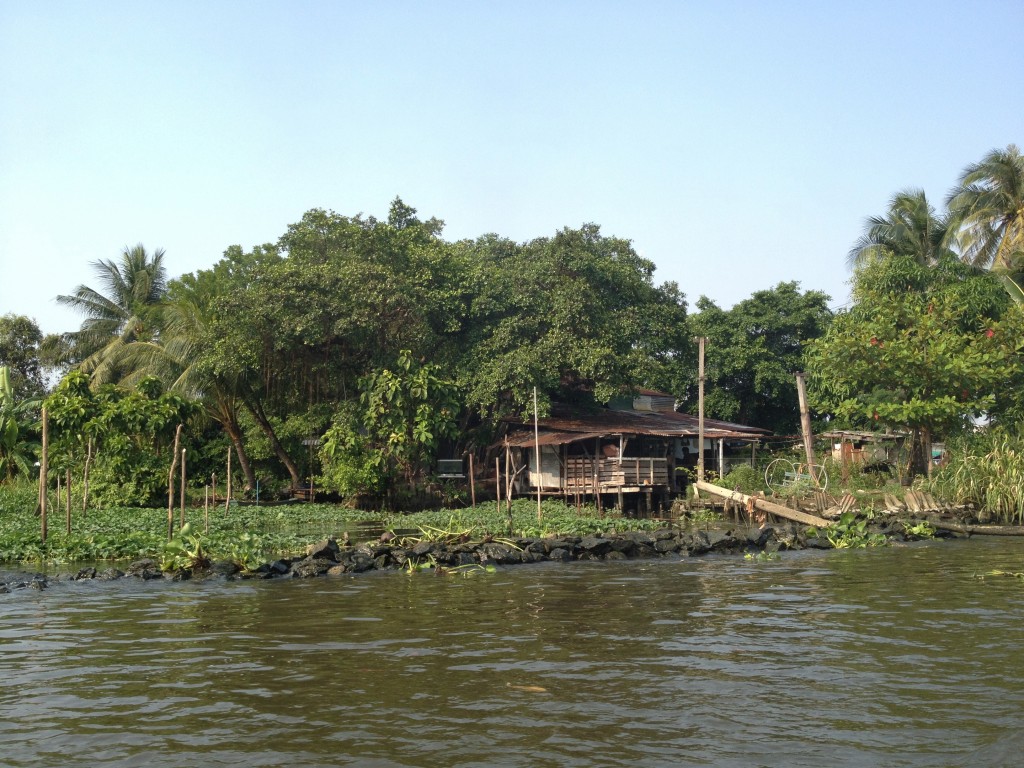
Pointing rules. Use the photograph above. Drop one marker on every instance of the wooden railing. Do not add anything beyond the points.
(585, 474)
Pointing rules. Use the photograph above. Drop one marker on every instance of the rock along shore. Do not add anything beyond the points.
(329, 558)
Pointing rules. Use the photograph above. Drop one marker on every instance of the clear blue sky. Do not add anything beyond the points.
(737, 144)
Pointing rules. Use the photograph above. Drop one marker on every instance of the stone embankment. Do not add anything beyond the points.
(329, 558)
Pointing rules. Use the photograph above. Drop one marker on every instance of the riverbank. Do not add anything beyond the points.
(456, 555)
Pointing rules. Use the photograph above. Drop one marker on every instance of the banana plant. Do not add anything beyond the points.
(18, 421)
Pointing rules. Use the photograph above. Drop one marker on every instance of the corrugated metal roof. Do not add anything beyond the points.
(561, 428)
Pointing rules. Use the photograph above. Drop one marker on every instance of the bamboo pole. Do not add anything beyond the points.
(85, 477)
(764, 505)
(497, 482)
(206, 510)
(170, 484)
(213, 485)
(67, 488)
(227, 494)
(536, 446)
(181, 490)
(472, 482)
(44, 471)
(700, 408)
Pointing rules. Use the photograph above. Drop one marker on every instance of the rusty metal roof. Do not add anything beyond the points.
(561, 428)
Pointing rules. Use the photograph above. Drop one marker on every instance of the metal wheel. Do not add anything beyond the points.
(776, 471)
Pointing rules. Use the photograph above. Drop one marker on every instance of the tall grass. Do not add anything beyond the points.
(986, 470)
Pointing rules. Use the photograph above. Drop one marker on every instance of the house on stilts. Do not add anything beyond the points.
(636, 454)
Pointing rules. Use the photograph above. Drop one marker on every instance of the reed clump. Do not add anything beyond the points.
(986, 470)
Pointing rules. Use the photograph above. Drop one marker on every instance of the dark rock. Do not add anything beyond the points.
(180, 575)
(758, 537)
(465, 558)
(361, 561)
(664, 533)
(595, 546)
(560, 555)
(111, 573)
(225, 568)
(310, 567)
(615, 555)
(146, 568)
(278, 567)
(699, 543)
(85, 573)
(38, 583)
(381, 562)
(567, 543)
(817, 542)
(423, 548)
(502, 554)
(723, 541)
(336, 570)
(663, 546)
(327, 549)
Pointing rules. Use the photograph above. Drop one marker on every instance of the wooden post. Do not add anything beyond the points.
(536, 446)
(498, 483)
(44, 470)
(181, 513)
(206, 510)
(508, 487)
(67, 489)
(213, 493)
(700, 408)
(472, 482)
(805, 426)
(85, 477)
(170, 484)
(721, 457)
(227, 494)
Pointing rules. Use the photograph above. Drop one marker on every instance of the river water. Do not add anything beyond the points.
(884, 657)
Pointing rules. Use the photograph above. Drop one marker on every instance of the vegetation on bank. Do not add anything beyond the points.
(354, 352)
(249, 535)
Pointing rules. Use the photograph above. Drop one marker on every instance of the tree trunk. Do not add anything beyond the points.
(275, 444)
(234, 433)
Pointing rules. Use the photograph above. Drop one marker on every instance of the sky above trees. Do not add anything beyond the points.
(736, 144)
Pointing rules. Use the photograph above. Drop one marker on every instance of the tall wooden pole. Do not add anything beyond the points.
(181, 490)
(206, 510)
(805, 425)
(700, 408)
(67, 490)
(44, 469)
(472, 482)
(85, 477)
(536, 446)
(170, 484)
(227, 496)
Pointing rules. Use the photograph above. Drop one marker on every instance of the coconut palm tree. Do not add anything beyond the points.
(987, 207)
(909, 228)
(126, 309)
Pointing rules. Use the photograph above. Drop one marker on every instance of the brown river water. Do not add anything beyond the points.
(883, 657)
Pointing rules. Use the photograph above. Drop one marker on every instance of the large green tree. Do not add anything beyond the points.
(577, 315)
(923, 349)
(20, 351)
(753, 352)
